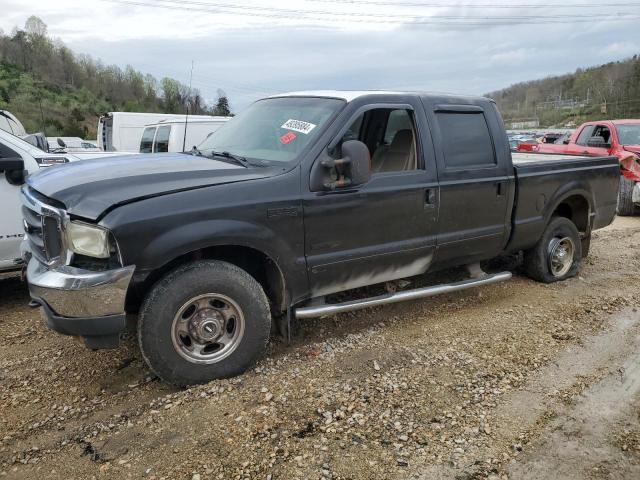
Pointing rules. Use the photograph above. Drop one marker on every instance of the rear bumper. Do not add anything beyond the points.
(81, 302)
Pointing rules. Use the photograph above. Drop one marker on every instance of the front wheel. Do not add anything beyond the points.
(557, 254)
(202, 321)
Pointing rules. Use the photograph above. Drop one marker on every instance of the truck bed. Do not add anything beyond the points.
(541, 177)
(528, 157)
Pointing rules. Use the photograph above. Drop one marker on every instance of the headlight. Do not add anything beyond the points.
(88, 240)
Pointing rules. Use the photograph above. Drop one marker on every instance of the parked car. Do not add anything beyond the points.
(18, 158)
(121, 131)
(169, 135)
(619, 138)
(72, 145)
(301, 196)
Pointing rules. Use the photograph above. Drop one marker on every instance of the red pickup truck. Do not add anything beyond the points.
(618, 138)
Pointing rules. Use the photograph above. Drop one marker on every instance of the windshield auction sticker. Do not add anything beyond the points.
(298, 126)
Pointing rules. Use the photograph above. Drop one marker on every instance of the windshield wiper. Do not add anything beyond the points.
(230, 156)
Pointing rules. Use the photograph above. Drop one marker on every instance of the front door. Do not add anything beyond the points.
(588, 132)
(382, 230)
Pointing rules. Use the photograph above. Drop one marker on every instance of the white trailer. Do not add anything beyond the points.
(121, 131)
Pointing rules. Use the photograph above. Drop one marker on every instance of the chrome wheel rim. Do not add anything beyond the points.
(561, 252)
(207, 328)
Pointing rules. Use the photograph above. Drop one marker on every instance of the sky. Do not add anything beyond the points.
(252, 48)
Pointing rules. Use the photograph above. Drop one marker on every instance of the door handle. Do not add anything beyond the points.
(430, 198)
(501, 188)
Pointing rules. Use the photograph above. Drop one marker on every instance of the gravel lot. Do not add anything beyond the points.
(516, 380)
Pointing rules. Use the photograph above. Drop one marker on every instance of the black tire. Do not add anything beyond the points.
(537, 260)
(173, 292)
(625, 206)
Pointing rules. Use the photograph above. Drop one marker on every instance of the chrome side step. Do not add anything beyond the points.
(333, 308)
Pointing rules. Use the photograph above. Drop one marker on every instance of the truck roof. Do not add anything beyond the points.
(626, 121)
(350, 95)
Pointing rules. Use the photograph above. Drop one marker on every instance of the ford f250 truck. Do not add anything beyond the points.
(300, 196)
(619, 138)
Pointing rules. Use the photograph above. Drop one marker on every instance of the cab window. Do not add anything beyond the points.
(161, 142)
(585, 135)
(390, 136)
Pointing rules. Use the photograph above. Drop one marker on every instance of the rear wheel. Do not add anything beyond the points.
(557, 254)
(626, 206)
(202, 321)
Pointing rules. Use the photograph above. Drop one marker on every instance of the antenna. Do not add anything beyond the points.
(186, 116)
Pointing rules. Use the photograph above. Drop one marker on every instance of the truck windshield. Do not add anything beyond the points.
(628, 134)
(274, 129)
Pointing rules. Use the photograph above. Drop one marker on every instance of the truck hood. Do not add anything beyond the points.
(88, 188)
(632, 148)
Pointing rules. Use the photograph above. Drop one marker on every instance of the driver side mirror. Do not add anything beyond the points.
(351, 170)
(13, 170)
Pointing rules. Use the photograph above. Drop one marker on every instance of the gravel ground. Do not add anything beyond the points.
(515, 380)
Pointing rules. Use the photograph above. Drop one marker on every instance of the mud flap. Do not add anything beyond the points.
(283, 325)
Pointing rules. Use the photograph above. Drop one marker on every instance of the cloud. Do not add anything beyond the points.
(250, 57)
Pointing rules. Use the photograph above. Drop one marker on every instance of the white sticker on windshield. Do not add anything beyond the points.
(298, 126)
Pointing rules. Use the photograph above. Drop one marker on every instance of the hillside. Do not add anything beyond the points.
(52, 89)
(602, 92)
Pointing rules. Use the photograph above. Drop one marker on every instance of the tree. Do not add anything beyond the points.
(35, 26)
(222, 107)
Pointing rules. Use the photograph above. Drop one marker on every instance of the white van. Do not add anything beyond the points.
(121, 131)
(169, 135)
(18, 158)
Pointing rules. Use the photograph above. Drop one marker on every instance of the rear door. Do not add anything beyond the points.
(476, 180)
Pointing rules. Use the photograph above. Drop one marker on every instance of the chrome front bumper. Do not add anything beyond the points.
(76, 293)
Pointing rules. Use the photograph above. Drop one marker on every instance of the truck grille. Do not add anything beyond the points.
(43, 227)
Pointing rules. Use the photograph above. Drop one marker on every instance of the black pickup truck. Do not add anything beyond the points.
(300, 196)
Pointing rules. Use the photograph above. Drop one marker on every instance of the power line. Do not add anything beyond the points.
(257, 8)
(477, 5)
(344, 17)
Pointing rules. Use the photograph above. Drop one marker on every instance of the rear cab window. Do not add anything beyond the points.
(466, 140)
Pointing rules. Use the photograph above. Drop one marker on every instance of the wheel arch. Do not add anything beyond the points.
(576, 204)
(259, 264)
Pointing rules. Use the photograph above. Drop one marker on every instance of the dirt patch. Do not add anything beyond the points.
(466, 385)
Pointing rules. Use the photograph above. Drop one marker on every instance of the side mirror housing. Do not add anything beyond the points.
(13, 169)
(597, 142)
(351, 170)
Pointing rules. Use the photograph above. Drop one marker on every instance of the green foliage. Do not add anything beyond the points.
(604, 92)
(222, 107)
(51, 89)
